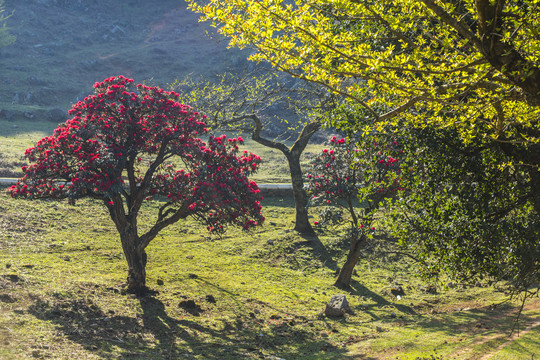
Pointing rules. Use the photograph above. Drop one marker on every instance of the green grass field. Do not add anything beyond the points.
(16, 137)
(256, 295)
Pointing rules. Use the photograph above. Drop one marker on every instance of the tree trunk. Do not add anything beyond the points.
(302, 224)
(343, 280)
(535, 180)
(136, 259)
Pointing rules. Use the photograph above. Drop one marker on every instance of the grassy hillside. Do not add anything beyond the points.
(258, 295)
(63, 47)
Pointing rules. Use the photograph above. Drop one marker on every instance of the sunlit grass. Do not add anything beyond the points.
(257, 294)
(15, 138)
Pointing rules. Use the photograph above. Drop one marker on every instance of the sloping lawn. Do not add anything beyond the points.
(245, 295)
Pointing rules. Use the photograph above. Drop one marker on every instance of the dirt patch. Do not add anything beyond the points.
(191, 307)
(526, 325)
(511, 339)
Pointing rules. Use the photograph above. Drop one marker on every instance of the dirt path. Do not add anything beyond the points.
(511, 339)
(467, 352)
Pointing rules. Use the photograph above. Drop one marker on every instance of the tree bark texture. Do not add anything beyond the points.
(343, 280)
(302, 224)
(136, 258)
(134, 249)
(293, 154)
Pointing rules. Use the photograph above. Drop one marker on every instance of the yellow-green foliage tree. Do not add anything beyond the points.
(468, 67)
(469, 64)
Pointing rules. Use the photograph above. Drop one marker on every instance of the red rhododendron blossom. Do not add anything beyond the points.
(348, 185)
(99, 153)
(342, 174)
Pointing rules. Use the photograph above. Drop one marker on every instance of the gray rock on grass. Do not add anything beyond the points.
(337, 306)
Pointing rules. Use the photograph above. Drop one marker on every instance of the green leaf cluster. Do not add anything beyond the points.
(461, 214)
(470, 65)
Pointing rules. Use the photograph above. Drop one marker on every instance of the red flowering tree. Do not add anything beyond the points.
(128, 144)
(349, 181)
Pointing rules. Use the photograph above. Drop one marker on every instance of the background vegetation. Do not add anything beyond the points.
(260, 295)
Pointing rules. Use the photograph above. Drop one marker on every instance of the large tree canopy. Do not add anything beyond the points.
(462, 214)
(126, 145)
(465, 72)
(470, 64)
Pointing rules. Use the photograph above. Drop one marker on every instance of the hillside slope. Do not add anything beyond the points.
(63, 47)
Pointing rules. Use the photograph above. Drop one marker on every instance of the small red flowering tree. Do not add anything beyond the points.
(350, 181)
(143, 135)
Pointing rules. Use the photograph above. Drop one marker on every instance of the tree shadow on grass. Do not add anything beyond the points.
(487, 321)
(154, 334)
(318, 248)
(359, 289)
(241, 338)
(83, 322)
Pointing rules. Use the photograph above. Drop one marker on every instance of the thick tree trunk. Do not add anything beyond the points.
(343, 280)
(136, 259)
(134, 245)
(302, 224)
(131, 244)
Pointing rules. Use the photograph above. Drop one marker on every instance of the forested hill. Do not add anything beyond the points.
(64, 46)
